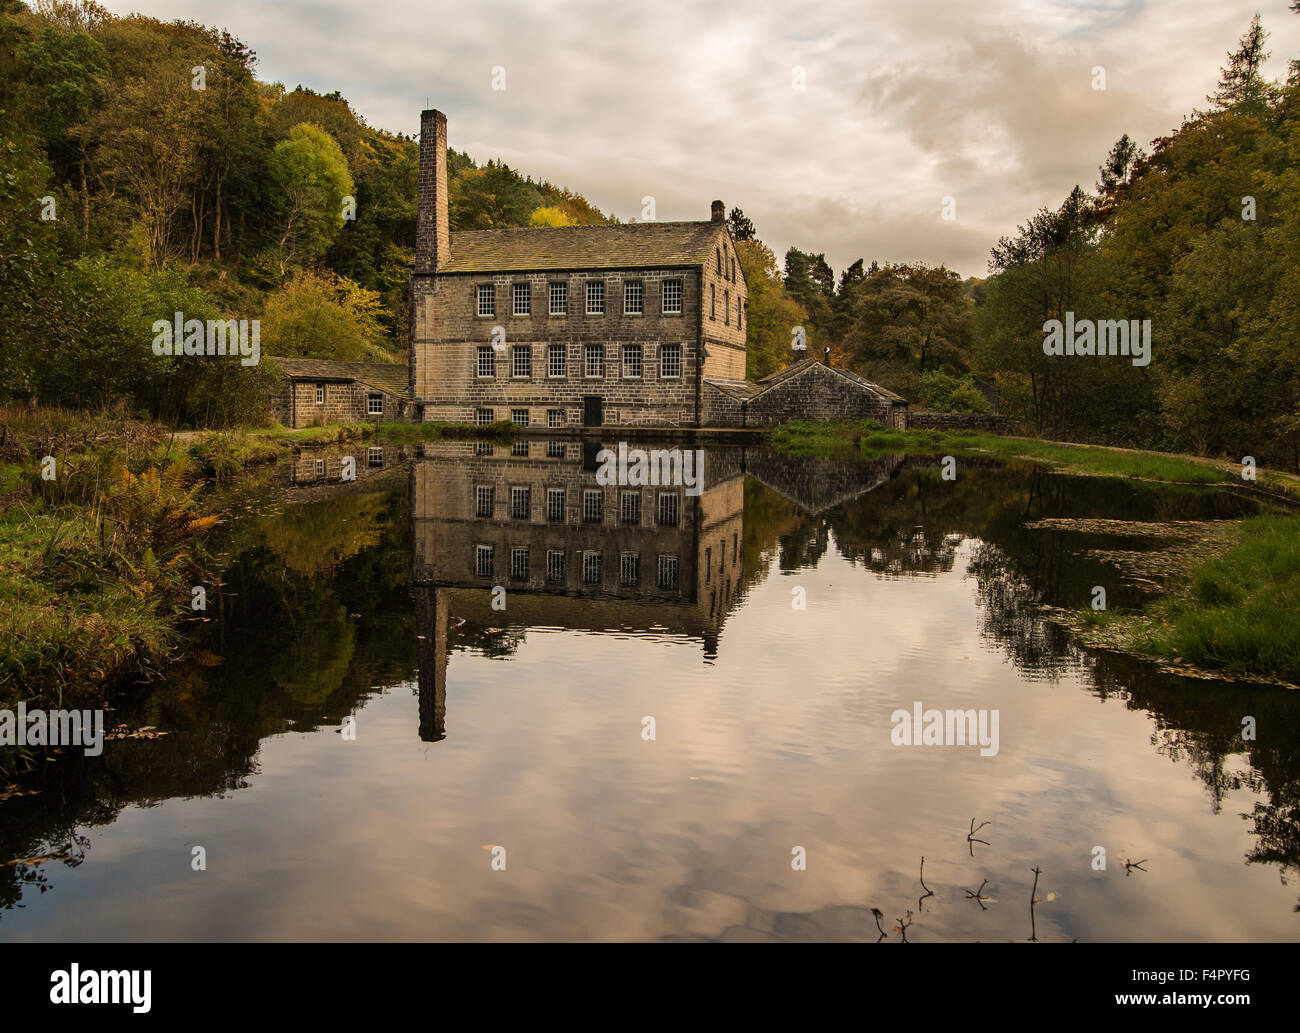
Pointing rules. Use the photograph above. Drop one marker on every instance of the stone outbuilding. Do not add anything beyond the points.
(805, 390)
(318, 391)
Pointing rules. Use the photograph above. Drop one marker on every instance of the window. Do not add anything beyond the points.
(591, 568)
(521, 503)
(554, 503)
(557, 360)
(593, 506)
(708, 565)
(595, 360)
(595, 297)
(633, 298)
(668, 572)
(555, 450)
(713, 302)
(483, 566)
(521, 360)
(726, 308)
(484, 498)
(670, 360)
(482, 448)
(374, 457)
(487, 361)
(629, 507)
(483, 417)
(320, 467)
(487, 299)
(559, 299)
(554, 565)
(719, 261)
(320, 394)
(629, 568)
(555, 417)
(631, 360)
(519, 448)
(519, 417)
(519, 563)
(740, 312)
(374, 405)
(672, 297)
(523, 299)
(668, 509)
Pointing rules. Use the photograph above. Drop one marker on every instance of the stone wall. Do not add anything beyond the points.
(819, 393)
(295, 404)
(448, 332)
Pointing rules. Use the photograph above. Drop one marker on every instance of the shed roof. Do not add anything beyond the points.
(394, 378)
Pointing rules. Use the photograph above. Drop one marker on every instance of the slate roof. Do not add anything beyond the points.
(631, 245)
(394, 378)
(794, 369)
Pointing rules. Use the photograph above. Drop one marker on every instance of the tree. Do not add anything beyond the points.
(772, 316)
(311, 179)
(1240, 83)
(322, 316)
(740, 226)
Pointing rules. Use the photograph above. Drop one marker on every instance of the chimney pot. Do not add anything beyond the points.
(718, 211)
(828, 356)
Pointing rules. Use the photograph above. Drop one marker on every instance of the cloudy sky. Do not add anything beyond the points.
(904, 102)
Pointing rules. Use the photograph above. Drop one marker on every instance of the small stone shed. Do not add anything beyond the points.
(316, 391)
(806, 390)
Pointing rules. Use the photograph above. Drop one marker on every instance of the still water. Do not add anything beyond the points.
(365, 748)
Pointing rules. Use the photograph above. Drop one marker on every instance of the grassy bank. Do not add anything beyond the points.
(1233, 612)
(872, 439)
(97, 561)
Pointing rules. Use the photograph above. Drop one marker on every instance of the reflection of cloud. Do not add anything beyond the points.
(905, 103)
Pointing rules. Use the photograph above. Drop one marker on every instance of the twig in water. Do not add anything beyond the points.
(1130, 865)
(978, 895)
(1033, 899)
(928, 892)
(970, 836)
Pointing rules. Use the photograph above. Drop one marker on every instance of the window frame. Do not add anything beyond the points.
(671, 348)
(596, 290)
(521, 290)
(638, 351)
(486, 291)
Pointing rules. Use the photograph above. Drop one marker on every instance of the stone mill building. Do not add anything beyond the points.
(633, 325)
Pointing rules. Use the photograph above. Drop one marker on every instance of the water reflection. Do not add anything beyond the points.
(347, 599)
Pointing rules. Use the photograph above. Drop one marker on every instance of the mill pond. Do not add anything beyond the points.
(476, 695)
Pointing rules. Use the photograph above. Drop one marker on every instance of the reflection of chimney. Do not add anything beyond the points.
(828, 356)
(717, 211)
(431, 622)
(432, 226)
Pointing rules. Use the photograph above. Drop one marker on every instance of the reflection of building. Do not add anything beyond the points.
(569, 552)
(308, 468)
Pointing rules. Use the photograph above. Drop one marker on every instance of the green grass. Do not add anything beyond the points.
(1238, 612)
(67, 626)
(869, 438)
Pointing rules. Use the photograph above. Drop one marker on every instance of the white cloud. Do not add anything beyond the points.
(905, 103)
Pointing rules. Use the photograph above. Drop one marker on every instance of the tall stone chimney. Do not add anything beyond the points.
(432, 225)
(717, 211)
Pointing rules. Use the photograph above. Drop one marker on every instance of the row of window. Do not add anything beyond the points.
(668, 511)
(554, 449)
(557, 361)
(670, 298)
(629, 566)
(374, 403)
